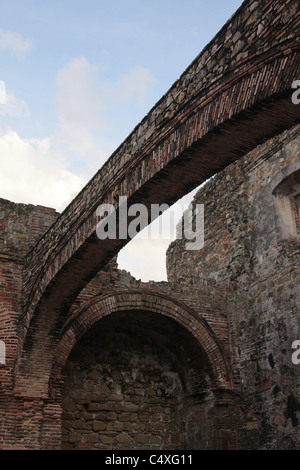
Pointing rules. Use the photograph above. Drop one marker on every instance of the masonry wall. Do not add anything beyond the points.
(121, 392)
(245, 282)
(249, 252)
(139, 381)
(155, 411)
(21, 226)
(252, 58)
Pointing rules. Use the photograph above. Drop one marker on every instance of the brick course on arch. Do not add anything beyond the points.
(99, 307)
(234, 95)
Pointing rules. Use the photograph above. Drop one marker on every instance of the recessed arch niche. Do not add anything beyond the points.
(137, 380)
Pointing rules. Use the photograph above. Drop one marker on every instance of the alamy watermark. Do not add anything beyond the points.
(296, 354)
(2, 353)
(129, 221)
(296, 94)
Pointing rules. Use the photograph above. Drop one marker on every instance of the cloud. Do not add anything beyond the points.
(145, 259)
(78, 105)
(14, 107)
(145, 256)
(2, 93)
(88, 107)
(15, 43)
(134, 86)
(35, 171)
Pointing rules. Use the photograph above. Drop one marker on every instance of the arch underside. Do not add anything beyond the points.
(48, 374)
(134, 381)
(215, 124)
(93, 253)
(200, 142)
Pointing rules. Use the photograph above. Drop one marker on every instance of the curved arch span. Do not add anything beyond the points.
(99, 307)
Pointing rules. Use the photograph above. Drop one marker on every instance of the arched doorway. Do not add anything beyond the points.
(132, 382)
(123, 388)
(140, 371)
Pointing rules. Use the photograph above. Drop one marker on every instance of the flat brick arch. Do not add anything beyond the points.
(236, 94)
(100, 307)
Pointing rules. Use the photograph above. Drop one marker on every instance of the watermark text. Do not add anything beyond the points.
(2, 353)
(296, 354)
(296, 94)
(129, 221)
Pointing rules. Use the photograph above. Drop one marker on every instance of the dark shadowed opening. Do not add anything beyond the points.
(133, 382)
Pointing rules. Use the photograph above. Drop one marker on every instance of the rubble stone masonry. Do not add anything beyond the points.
(249, 254)
(95, 359)
(125, 383)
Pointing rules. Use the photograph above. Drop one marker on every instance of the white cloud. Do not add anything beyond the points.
(84, 101)
(34, 171)
(134, 85)
(14, 107)
(2, 93)
(97, 156)
(145, 256)
(145, 259)
(15, 42)
(78, 105)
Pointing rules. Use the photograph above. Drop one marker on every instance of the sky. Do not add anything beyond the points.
(76, 77)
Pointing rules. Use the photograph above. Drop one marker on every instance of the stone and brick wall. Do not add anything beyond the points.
(247, 252)
(138, 381)
(233, 307)
(121, 392)
(199, 125)
(150, 382)
(22, 225)
(244, 284)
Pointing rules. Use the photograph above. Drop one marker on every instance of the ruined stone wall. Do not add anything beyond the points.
(138, 381)
(21, 226)
(150, 408)
(249, 252)
(121, 392)
(244, 283)
(252, 58)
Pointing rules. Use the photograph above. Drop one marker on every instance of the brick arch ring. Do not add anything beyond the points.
(83, 319)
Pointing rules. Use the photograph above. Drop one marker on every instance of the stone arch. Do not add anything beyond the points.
(101, 306)
(210, 117)
(179, 336)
